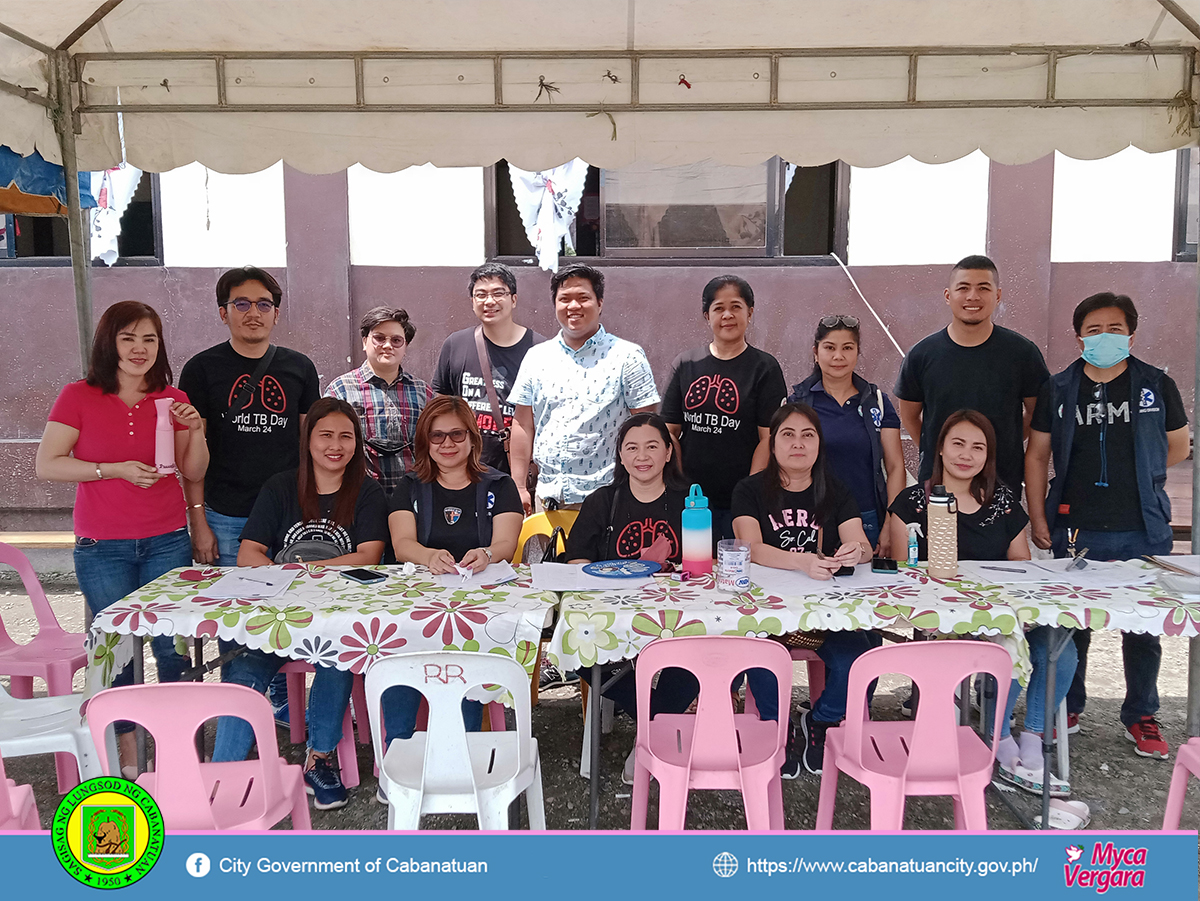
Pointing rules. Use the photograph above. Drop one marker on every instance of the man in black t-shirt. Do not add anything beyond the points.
(493, 293)
(1114, 425)
(259, 438)
(720, 398)
(972, 364)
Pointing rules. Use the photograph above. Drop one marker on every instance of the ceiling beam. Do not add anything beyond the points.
(86, 25)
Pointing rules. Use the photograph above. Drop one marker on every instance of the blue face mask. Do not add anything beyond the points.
(1106, 349)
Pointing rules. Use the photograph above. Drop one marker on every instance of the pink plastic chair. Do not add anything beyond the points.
(18, 810)
(246, 794)
(932, 755)
(52, 655)
(715, 747)
(1187, 760)
(347, 754)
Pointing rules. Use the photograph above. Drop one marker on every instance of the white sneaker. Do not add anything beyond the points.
(627, 772)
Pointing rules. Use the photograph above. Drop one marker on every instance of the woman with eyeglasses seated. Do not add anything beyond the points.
(328, 510)
(991, 526)
(388, 400)
(451, 512)
(860, 427)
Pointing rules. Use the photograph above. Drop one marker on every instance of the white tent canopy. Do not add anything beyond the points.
(323, 84)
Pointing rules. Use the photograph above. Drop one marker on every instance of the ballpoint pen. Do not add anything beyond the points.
(1004, 569)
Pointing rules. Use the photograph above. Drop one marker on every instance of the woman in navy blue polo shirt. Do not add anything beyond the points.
(860, 426)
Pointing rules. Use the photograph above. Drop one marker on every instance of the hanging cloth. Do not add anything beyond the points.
(547, 202)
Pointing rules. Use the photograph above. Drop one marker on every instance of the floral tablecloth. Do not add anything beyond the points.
(327, 619)
(603, 627)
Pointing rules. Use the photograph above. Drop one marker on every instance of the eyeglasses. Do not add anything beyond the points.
(836, 321)
(494, 295)
(385, 340)
(458, 436)
(243, 305)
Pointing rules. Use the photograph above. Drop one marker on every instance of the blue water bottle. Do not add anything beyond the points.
(697, 533)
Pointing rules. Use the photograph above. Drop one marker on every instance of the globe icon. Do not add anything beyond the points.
(725, 865)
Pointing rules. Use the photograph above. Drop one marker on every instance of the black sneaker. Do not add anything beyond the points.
(552, 677)
(325, 785)
(791, 763)
(813, 748)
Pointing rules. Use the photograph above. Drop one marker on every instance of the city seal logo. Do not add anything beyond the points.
(107, 833)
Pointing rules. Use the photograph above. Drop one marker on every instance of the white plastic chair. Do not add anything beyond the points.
(447, 769)
(50, 726)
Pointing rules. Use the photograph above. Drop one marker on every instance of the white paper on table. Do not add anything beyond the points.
(571, 577)
(1190, 562)
(494, 574)
(1097, 574)
(864, 577)
(788, 581)
(256, 582)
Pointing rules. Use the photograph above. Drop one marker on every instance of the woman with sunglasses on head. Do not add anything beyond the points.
(130, 518)
(328, 510)
(991, 526)
(860, 426)
(450, 512)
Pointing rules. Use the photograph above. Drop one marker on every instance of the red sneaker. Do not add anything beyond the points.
(1072, 723)
(1147, 739)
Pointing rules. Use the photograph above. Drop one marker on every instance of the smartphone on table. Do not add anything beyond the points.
(364, 576)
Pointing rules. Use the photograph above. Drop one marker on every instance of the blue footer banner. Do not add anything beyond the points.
(110, 847)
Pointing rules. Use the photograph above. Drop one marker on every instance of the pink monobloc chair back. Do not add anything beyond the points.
(172, 713)
(47, 621)
(18, 810)
(715, 748)
(1187, 760)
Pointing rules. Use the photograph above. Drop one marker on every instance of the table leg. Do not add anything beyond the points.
(594, 713)
(139, 678)
(1193, 695)
(1058, 641)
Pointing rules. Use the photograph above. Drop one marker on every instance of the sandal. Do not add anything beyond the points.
(1067, 815)
(1031, 781)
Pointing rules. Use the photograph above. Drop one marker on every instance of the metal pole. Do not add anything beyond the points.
(65, 126)
(1193, 701)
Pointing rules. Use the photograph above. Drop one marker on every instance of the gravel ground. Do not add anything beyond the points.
(1124, 791)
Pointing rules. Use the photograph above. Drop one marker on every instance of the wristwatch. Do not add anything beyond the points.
(488, 551)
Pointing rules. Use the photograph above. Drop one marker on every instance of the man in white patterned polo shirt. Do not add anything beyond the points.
(572, 394)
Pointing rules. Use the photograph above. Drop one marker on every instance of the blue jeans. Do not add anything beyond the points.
(838, 653)
(109, 569)
(228, 531)
(400, 705)
(1035, 695)
(326, 704)
(1141, 653)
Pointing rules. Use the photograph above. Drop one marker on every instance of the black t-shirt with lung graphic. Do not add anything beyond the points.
(1105, 409)
(636, 525)
(276, 521)
(720, 404)
(455, 525)
(789, 523)
(261, 438)
(458, 374)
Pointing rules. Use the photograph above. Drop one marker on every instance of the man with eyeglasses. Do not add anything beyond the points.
(460, 367)
(252, 413)
(972, 364)
(388, 399)
(1114, 425)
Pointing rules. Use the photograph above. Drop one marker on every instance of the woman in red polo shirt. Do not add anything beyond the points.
(130, 519)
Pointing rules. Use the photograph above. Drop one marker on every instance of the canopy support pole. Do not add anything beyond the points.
(64, 124)
(1193, 704)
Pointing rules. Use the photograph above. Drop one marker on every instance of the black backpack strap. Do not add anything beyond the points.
(247, 389)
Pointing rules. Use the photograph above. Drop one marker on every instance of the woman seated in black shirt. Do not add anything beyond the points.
(795, 514)
(991, 526)
(639, 516)
(451, 511)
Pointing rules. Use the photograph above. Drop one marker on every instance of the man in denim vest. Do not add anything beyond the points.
(1114, 425)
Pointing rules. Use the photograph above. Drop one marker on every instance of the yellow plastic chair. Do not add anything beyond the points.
(542, 524)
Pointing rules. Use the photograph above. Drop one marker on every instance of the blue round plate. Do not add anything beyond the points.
(622, 569)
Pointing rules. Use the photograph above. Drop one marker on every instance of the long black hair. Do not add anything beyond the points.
(772, 475)
(672, 473)
(352, 478)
